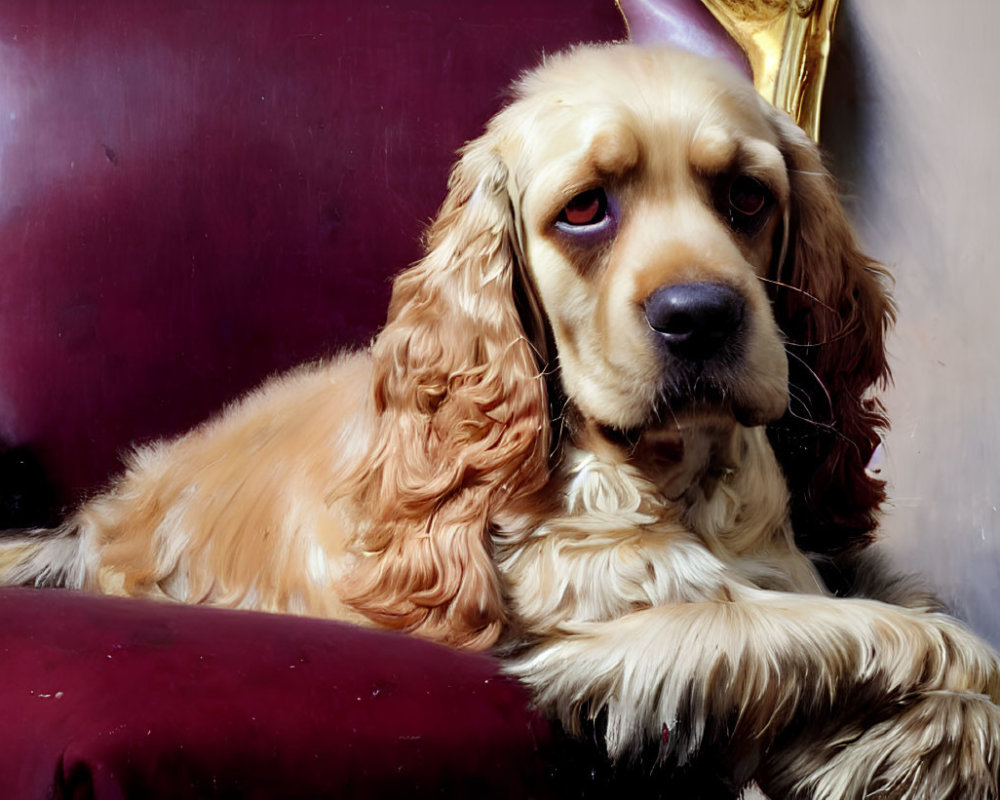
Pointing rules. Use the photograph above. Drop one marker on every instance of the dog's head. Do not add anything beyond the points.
(651, 188)
(642, 228)
(686, 246)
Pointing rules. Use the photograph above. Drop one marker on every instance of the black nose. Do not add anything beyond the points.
(695, 320)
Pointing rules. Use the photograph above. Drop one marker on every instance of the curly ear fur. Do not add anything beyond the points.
(832, 304)
(462, 421)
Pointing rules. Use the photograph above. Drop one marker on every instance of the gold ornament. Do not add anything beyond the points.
(788, 44)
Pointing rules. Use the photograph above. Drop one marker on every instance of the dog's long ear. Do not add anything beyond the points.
(462, 423)
(831, 301)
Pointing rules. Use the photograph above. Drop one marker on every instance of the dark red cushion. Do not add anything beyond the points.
(107, 698)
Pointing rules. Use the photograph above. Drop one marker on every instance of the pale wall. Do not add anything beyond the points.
(912, 122)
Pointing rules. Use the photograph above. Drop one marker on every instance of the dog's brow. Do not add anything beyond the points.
(765, 161)
(613, 151)
(713, 149)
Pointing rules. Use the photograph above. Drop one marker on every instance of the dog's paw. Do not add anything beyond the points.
(578, 679)
(626, 680)
(961, 661)
(941, 745)
(570, 679)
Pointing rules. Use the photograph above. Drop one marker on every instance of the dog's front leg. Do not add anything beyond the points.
(760, 664)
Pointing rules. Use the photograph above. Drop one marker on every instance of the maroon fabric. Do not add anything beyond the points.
(197, 193)
(109, 698)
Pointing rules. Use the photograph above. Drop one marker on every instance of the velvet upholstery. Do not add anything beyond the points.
(106, 698)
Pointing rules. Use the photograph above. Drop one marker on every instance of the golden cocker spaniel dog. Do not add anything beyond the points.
(626, 388)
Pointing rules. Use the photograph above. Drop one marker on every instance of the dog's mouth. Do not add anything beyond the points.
(711, 395)
(683, 413)
(704, 402)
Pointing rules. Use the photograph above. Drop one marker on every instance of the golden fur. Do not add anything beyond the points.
(517, 461)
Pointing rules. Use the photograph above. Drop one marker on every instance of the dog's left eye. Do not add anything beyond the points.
(747, 196)
(747, 204)
(587, 208)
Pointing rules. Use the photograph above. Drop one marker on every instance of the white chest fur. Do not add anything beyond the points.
(619, 545)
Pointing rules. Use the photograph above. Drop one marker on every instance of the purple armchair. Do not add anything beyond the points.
(196, 194)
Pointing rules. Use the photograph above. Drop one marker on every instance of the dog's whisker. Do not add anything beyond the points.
(817, 381)
(801, 396)
(840, 335)
(799, 290)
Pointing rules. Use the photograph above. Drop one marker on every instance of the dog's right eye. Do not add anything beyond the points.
(587, 208)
